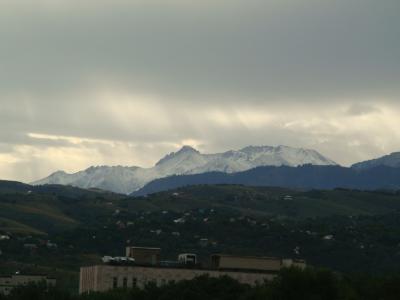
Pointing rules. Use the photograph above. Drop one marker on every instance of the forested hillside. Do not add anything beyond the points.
(306, 176)
(57, 229)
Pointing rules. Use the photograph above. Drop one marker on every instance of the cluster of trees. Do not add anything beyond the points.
(296, 284)
(367, 244)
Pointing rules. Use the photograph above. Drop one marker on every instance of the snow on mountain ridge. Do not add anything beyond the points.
(186, 161)
(185, 152)
(391, 160)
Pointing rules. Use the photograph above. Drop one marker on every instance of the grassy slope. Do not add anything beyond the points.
(7, 225)
(57, 211)
(271, 201)
(49, 209)
(61, 208)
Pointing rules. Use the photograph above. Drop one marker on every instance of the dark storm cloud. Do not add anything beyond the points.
(362, 109)
(94, 77)
(241, 49)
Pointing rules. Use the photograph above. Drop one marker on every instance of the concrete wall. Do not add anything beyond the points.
(9, 282)
(149, 256)
(103, 277)
(297, 263)
(249, 263)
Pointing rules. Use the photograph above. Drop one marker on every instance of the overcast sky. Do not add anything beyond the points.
(93, 82)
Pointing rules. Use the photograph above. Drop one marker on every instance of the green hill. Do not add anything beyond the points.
(49, 209)
(55, 208)
(266, 201)
(345, 230)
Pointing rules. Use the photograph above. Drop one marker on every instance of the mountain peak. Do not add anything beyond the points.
(253, 148)
(187, 160)
(185, 150)
(282, 155)
(279, 148)
(58, 173)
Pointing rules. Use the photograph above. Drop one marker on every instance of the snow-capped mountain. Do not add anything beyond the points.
(186, 161)
(391, 160)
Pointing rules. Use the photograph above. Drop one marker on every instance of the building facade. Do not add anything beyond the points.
(144, 255)
(232, 262)
(7, 283)
(102, 278)
(147, 268)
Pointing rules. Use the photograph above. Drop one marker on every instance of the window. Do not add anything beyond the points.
(134, 282)
(115, 282)
(125, 282)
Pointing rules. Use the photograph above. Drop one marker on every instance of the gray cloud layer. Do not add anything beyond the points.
(125, 81)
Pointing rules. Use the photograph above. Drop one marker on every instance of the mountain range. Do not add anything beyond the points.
(186, 161)
(253, 165)
(301, 177)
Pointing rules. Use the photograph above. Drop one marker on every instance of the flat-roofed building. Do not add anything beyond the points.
(144, 255)
(102, 278)
(232, 262)
(7, 283)
(148, 268)
(298, 263)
